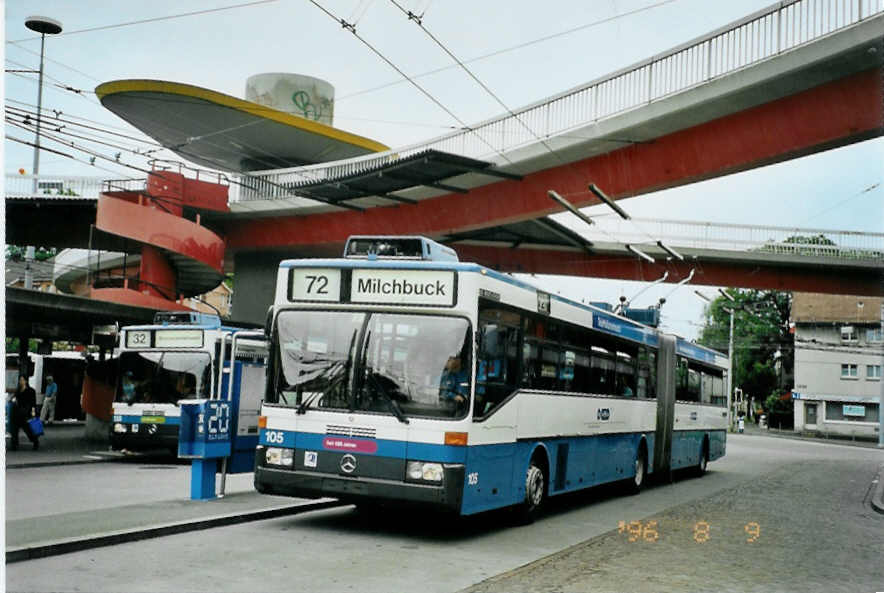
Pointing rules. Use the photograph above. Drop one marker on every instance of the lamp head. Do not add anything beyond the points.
(43, 25)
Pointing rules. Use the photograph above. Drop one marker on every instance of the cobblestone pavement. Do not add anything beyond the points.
(805, 527)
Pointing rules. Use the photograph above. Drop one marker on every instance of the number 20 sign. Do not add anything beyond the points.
(218, 420)
(316, 284)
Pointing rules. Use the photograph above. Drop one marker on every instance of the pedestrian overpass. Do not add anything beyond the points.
(767, 257)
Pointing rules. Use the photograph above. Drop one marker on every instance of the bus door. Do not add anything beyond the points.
(666, 372)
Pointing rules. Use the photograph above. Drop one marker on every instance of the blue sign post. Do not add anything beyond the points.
(204, 437)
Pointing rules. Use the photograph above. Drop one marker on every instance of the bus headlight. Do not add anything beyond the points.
(279, 456)
(119, 427)
(421, 471)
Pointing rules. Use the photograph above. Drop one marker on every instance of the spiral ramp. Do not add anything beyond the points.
(160, 222)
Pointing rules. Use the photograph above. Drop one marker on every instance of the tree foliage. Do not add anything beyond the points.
(812, 240)
(763, 347)
(17, 253)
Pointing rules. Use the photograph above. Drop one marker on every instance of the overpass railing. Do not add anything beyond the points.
(767, 33)
(778, 240)
(22, 186)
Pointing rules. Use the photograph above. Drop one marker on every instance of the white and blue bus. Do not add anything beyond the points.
(398, 374)
(182, 355)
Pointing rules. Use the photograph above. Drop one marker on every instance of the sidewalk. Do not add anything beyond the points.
(62, 443)
(753, 429)
(38, 537)
(162, 509)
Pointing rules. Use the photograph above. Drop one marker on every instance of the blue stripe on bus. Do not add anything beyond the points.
(128, 419)
(695, 351)
(622, 328)
(495, 474)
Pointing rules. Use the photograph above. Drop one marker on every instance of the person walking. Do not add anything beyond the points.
(47, 412)
(24, 406)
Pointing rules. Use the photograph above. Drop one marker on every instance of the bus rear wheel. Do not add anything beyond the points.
(704, 460)
(535, 493)
(641, 471)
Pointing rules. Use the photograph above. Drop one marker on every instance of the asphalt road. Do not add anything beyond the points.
(804, 503)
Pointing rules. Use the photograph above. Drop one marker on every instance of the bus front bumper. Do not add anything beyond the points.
(309, 484)
(149, 436)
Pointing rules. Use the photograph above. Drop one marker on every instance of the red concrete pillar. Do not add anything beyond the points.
(156, 274)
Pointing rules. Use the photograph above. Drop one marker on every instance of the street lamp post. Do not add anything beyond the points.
(42, 25)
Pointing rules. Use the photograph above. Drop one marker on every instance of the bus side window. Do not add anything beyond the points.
(687, 382)
(496, 367)
(647, 374)
(603, 371)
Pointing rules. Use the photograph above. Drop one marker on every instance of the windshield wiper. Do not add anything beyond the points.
(394, 406)
(306, 403)
(343, 377)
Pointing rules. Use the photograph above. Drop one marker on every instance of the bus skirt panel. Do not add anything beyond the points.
(129, 432)
(687, 446)
(313, 484)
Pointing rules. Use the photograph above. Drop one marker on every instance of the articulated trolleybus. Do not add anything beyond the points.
(183, 355)
(398, 374)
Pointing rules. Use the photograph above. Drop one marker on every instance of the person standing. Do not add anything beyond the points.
(24, 406)
(47, 412)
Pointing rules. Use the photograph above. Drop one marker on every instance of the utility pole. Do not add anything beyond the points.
(881, 400)
(730, 369)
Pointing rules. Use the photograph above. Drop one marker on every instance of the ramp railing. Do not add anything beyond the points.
(779, 240)
(767, 33)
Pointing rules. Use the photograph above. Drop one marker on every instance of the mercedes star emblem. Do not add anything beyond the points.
(348, 463)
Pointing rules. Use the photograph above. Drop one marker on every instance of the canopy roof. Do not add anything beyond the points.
(222, 132)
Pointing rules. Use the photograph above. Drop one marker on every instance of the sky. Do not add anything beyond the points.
(536, 50)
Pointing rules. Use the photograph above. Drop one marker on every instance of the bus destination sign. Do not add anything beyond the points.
(178, 338)
(407, 287)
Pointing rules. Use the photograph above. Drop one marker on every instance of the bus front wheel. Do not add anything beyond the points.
(535, 493)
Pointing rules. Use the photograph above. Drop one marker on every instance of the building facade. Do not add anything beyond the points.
(838, 360)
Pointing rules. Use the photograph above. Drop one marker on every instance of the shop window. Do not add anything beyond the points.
(851, 412)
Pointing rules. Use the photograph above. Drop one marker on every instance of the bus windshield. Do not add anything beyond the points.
(404, 365)
(163, 377)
